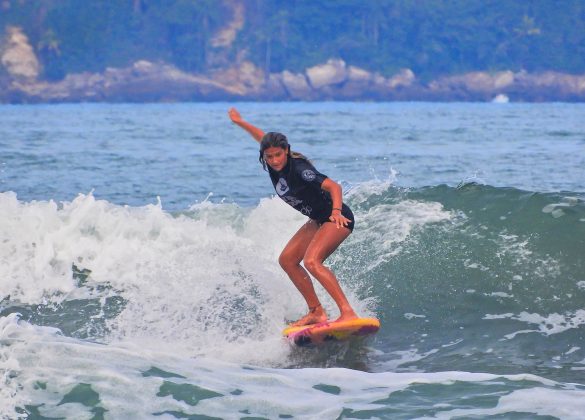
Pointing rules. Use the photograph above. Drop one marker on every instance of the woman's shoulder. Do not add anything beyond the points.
(301, 162)
(306, 171)
(300, 166)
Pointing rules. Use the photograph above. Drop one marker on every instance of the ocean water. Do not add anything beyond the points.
(139, 275)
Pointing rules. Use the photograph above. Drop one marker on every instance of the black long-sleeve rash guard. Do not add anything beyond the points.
(299, 185)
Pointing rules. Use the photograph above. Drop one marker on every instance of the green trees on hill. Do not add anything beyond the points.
(432, 37)
(429, 36)
(73, 36)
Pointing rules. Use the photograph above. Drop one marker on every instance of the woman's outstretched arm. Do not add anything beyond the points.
(254, 131)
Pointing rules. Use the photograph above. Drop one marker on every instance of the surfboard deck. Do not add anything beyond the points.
(316, 334)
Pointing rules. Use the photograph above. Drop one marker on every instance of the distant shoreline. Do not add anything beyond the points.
(334, 80)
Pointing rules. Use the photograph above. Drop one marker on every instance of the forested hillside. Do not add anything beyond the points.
(430, 37)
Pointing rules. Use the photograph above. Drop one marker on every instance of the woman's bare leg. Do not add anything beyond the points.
(324, 242)
(290, 261)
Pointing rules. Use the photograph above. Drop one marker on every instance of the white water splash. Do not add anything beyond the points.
(206, 282)
(40, 367)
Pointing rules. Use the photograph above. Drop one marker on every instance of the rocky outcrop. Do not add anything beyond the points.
(521, 86)
(296, 85)
(474, 85)
(333, 72)
(243, 79)
(143, 81)
(17, 56)
(332, 80)
(541, 87)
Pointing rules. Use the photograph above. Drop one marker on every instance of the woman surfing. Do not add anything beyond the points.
(300, 185)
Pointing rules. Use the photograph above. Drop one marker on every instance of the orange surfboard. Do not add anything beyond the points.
(331, 331)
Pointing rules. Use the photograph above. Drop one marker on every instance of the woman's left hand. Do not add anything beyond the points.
(235, 116)
(339, 219)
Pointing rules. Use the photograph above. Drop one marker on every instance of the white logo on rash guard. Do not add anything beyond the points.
(308, 175)
(281, 187)
(292, 201)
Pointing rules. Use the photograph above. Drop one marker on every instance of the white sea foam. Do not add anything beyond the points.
(375, 187)
(499, 294)
(548, 325)
(410, 316)
(558, 403)
(556, 209)
(40, 366)
(389, 225)
(474, 265)
(517, 250)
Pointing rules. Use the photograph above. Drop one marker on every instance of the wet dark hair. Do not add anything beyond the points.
(275, 139)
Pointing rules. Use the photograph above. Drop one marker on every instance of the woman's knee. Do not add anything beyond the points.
(312, 263)
(287, 261)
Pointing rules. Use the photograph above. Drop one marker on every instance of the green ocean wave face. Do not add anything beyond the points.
(492, 286)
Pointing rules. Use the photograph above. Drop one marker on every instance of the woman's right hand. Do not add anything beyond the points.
(235, 116)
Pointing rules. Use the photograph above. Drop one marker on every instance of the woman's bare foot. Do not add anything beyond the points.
(347, 315)
(315, 316)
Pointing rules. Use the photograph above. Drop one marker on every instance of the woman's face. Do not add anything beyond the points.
(276, 158)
